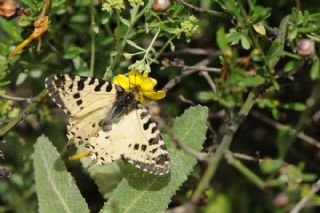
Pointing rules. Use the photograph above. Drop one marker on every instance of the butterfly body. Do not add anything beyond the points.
(109, 121)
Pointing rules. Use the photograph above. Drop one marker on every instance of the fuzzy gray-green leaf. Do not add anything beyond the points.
(56, 189)
(144, 193)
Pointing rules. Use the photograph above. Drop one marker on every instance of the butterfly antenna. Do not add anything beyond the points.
(92, 163)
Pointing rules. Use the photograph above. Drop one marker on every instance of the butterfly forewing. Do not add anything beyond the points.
(78, 96)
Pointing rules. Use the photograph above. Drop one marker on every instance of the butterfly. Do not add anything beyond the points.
(109, 121)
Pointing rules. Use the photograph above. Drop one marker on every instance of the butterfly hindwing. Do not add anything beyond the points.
(136, 138)
(78, 95)
(80, 129)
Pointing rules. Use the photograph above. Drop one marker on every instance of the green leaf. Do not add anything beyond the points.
(106, 177)
(296, 106)
(125, 21)
(56, 189)
(221, 40)
(141, 192)
(131, 43)
(260, 13)
(315, 69)
(291, 65)
(21, 78)
(245, 42)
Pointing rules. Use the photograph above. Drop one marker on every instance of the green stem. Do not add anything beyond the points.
(25, 112)
(163, 47)
(133, 21)
(245, 171)
(93, 48)
(150, 45)
(223, 147)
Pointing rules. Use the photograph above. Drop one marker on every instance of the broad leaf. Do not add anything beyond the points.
(56, 189)
(141, 192)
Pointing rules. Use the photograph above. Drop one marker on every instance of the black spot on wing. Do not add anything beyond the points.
(109, 87)
(143, 147)
(144, 114)
(71, 86)
(72, 77)
(99, 85)
(136, 146)
(76, 96)
(154, 141)
(80, 84)
(92, 80)
(147, 124)
(153, 130)
(79, 102)
(162, 159)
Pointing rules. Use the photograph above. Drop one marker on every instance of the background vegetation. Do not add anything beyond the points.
(253, 66)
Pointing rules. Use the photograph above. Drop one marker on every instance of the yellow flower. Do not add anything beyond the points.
(140, 85)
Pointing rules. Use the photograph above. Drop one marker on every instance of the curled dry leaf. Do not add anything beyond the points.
(40, 27)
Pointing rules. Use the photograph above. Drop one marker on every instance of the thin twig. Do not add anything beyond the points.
(14, 98)
(209, 80)
(183, 99)
(184, 74)
(25, 112)
(304, 200)
(198, 155)
(279, 126)
(245, 171)
(194, 51)
(245, 157)
(202, 10)
(184, 67)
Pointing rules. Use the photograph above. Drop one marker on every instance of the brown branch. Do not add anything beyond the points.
(198, 155)
(209, 80)
(186, 71)
(279, 126)
(202, 10)
(22, 115)
(194, 51)
(13, 98)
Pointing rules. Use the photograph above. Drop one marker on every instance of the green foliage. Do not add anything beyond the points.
(56, 188)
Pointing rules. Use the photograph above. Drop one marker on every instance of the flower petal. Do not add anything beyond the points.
(135, 78)
(155, 95)
(121, 80)
(148, 84)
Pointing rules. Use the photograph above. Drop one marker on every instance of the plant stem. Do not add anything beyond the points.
(164, 47)
(245, 171)
(25, 112)
(93, 39)
(133, 21)
(150, 46)
(223, 147)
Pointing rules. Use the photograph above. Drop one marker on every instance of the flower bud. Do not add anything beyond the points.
(160, 6)
(8, 8)
(305, 47)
